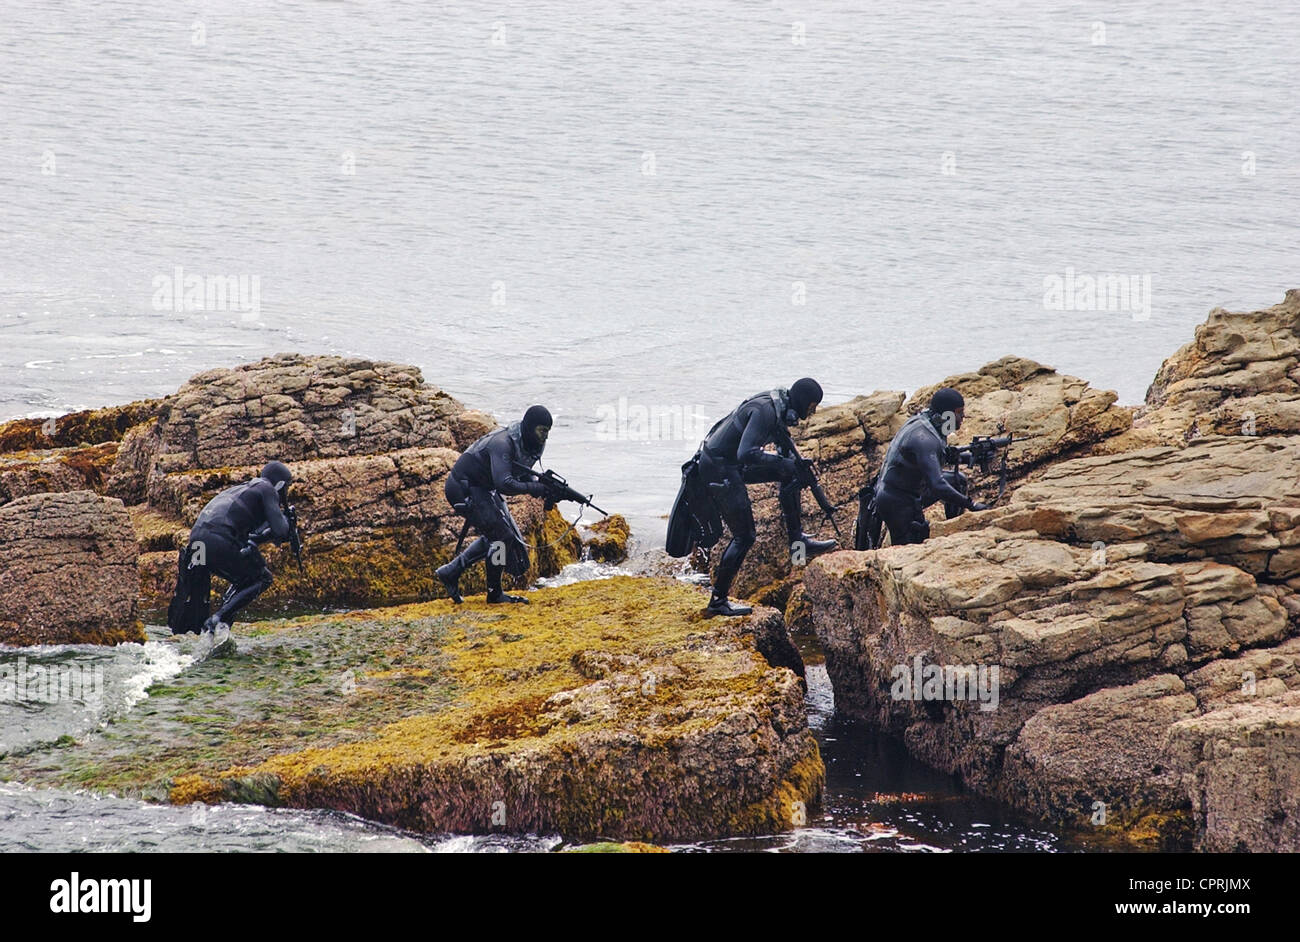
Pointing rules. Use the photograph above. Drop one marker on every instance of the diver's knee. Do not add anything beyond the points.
(743, 541)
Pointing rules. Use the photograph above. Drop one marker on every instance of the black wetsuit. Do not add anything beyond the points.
(484, 472)
(912, 478)
(219, 543)
(732, 456)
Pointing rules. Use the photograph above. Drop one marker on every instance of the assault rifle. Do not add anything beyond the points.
(263, 533)
(558, 489)
(295, 539)
(808, 478)
(981, 451)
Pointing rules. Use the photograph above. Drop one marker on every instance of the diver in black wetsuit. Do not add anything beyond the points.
(482, 474)
(224, 540)
(912, 475)
(732, 456)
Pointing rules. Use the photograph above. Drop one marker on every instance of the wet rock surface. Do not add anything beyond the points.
(605, 710)
(67, 571)
(1139, 603)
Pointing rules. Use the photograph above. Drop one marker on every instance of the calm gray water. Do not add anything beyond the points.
(672, 205)
(500, 228)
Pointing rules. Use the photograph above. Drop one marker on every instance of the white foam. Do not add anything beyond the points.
(584, 571)
(157, 662)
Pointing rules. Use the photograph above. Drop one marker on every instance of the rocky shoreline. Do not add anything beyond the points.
(607, 709)
(1137, 592)
(370, 444)
(1131, 608)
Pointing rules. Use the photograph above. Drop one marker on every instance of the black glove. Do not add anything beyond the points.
(537, 489)
(979, 505)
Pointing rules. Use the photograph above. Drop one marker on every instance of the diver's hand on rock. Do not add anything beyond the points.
(979, 505)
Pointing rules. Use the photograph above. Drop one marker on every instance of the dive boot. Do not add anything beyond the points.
(213, 624)
(223, 642)
(496, 597)
(449, 576)
(811, 546)
(721, 605)
(217, 632)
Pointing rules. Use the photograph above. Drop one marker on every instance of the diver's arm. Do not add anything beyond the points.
(934, 479)
(275, 520)
(756, 434)
(503, 472)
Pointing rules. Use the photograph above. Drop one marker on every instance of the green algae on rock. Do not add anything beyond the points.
(88, 427)
(606, 710)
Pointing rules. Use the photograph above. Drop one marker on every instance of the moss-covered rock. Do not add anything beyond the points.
(76, 429)
(606, 710)
(79, 468)
(553, 542)
(608, 539)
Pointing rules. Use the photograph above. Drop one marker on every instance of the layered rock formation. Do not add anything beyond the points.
(1239, 376)
(72, 452)
(369, 442)
(67, 571)
(291, 408)
(1139, 607)
(605, 710)
(1051, 416)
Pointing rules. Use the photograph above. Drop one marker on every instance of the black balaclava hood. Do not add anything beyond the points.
(944, 401)
(278, 473)
(535, 416)
(804, 394)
